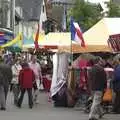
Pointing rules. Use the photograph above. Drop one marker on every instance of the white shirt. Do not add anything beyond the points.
(15, 71)
(36, 69)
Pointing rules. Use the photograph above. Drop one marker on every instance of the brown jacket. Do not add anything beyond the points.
(97, 78)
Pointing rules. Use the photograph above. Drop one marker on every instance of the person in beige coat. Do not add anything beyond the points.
(15, 71)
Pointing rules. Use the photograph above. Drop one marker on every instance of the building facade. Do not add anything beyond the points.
(61, 7)
(6, 20)
(5, 14)
(32, 13)
(21, 16)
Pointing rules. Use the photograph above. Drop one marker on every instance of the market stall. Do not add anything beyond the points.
(96, 38)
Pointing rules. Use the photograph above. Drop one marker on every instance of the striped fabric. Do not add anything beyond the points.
(114, 42)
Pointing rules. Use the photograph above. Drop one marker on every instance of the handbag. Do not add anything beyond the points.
(41, 87)
(107, 97)
(34, 85)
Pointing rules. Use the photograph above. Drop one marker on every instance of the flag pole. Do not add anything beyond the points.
(71, 56)
(71, 53)
(36, 39)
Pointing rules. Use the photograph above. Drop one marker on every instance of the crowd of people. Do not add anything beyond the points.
(20, 75)
(23, 75)
(102, 77)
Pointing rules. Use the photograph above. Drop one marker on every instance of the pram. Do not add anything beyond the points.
(107, 106)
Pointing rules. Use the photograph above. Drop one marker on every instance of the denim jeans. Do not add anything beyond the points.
(96, 108)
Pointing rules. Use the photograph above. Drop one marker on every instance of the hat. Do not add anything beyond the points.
(25, 65)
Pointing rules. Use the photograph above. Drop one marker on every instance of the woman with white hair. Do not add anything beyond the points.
(16, 67)
(35, 66)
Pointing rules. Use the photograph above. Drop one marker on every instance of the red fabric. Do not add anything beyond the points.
(46, 84)
(51, 47)
(83, 63)
(83, 79)
(26, 78)
(1, 34)
(36, 38)
(79, 33)
(114, 41)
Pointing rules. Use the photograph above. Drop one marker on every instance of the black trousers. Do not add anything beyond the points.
(116, 106)
(16, 92)
(60, 101)
(30, 99)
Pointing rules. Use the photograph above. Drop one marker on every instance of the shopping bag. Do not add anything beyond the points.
(107, 97)
(41, 87)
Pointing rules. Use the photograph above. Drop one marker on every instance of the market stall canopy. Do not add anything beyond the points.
(28, 42)
(52, 40)
(96, 38)
(58, 39)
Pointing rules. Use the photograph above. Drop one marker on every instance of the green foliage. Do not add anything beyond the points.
(114, 9)
(48, 26)
(13, 49)
(85, 13)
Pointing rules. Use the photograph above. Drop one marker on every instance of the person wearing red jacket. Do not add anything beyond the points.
(26, 81)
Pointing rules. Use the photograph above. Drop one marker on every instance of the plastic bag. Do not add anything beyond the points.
(107, 97)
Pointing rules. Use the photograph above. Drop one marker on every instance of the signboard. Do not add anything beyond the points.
(5, 37)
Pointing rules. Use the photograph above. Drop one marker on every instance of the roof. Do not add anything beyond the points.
(31, 8)
(5, 30)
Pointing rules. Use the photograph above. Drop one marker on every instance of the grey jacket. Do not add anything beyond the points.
(5, 74)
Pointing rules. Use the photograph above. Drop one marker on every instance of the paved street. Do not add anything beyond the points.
(45, 111)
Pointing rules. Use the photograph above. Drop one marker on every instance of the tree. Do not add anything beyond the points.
(114, 9)
(86, 14)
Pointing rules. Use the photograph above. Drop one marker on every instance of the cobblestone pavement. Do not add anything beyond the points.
(44, 111)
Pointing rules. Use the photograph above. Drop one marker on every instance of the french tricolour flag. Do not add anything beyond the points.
(76, 33)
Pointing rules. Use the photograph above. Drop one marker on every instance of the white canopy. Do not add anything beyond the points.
(96, 38)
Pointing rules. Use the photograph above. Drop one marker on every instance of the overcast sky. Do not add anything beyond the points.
(96, 1)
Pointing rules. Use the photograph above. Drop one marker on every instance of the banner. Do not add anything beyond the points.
(12, 42)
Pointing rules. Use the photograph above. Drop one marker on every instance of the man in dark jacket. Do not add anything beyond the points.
(116, 87)
(98, 82)
(5, 79)
(2, 93)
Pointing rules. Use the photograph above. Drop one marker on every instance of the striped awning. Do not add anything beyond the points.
(114, 42)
